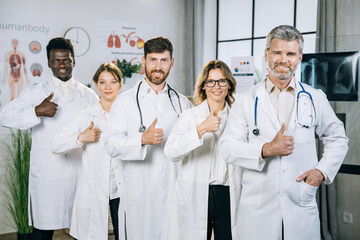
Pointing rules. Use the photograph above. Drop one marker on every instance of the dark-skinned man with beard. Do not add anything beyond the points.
(45, 108)
(140, 121)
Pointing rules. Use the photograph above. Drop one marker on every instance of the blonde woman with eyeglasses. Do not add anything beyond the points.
(207, 189)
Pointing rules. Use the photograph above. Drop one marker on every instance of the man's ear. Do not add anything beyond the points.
(143, 61)
(172, 62)
(266, 55)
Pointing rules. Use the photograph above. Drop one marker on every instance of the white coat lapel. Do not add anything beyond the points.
(203, 112)
(50, 87)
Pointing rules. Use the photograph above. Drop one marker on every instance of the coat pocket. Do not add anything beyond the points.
(304, 135)
(307, 194)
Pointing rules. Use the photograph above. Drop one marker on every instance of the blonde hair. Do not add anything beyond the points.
(200, 94)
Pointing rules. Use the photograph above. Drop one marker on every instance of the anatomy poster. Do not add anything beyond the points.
(23, 60)
(116, 40)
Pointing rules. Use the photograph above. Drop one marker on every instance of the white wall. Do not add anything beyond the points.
(170, 15)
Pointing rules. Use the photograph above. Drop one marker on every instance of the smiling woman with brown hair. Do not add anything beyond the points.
(99, 182)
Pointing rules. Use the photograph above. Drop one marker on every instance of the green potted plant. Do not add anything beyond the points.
(17, 157)
(127, 68)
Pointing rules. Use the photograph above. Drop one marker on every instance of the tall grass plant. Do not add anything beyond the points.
(17, 164)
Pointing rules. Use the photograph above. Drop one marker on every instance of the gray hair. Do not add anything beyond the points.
(285, 32)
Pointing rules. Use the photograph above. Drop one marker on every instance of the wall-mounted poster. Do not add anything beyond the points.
(118, 41)
(337, 74)
(243, 70)
(23, 60)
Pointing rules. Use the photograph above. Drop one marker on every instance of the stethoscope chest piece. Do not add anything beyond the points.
(142, 128)
(256, 131)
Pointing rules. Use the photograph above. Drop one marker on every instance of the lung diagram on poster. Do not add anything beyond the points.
(123, 43)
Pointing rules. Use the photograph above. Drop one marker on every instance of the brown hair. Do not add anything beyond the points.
(158, 45)
(200, 94)
(108, 67)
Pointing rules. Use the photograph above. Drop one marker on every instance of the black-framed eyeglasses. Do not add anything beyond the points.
(221, 82)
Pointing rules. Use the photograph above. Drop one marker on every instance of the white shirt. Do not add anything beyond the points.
(283, 101)
(219, 174)
(66, 87)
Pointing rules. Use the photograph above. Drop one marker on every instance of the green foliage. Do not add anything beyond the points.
(127, 69)
(17, 149)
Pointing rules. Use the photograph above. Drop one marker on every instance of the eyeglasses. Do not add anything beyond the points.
(66, 62)
(220, 82)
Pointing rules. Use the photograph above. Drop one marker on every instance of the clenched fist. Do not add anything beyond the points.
(152, 135)
(46, 108)
(90, 134)
(211, 124)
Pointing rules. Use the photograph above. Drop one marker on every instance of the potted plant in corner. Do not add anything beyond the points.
(17, 149)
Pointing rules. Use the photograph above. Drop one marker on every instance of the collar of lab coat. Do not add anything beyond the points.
(98, 111)
(50, 87)
(265, 105)
(146, 89)
(71, 83)
(204, 110)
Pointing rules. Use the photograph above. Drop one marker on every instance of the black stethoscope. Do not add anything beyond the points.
(256, 130)
(142, 127)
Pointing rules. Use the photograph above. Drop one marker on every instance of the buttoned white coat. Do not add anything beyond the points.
(270, 193)
(53, 177)
(91, 205)
(189, 207)
(148, 175)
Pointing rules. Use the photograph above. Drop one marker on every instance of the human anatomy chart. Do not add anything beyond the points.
(22, 53)
(15, 70)
(122, 41)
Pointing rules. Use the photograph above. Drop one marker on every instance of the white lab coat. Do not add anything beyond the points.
(270, 193)
(52, 178)
(189, 208)
(148, 175)
(91, 204)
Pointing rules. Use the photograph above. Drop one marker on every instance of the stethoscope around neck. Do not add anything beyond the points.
(256, 130)
(142, 126)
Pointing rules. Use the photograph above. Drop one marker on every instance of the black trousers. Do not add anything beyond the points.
(219, 216)
(114, 208)
(38, 234)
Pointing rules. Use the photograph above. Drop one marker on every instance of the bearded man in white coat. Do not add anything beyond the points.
(140, 121)
(45, 108)
(271, 134)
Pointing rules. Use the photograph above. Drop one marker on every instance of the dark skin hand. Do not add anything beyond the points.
(46, 108)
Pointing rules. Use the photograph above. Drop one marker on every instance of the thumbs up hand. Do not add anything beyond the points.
(152, 135)
(211, 124)
(281, 145)
(90, 134)
(46, 108)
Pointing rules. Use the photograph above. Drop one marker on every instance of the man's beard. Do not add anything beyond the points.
(156, 81)
(282, 76)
